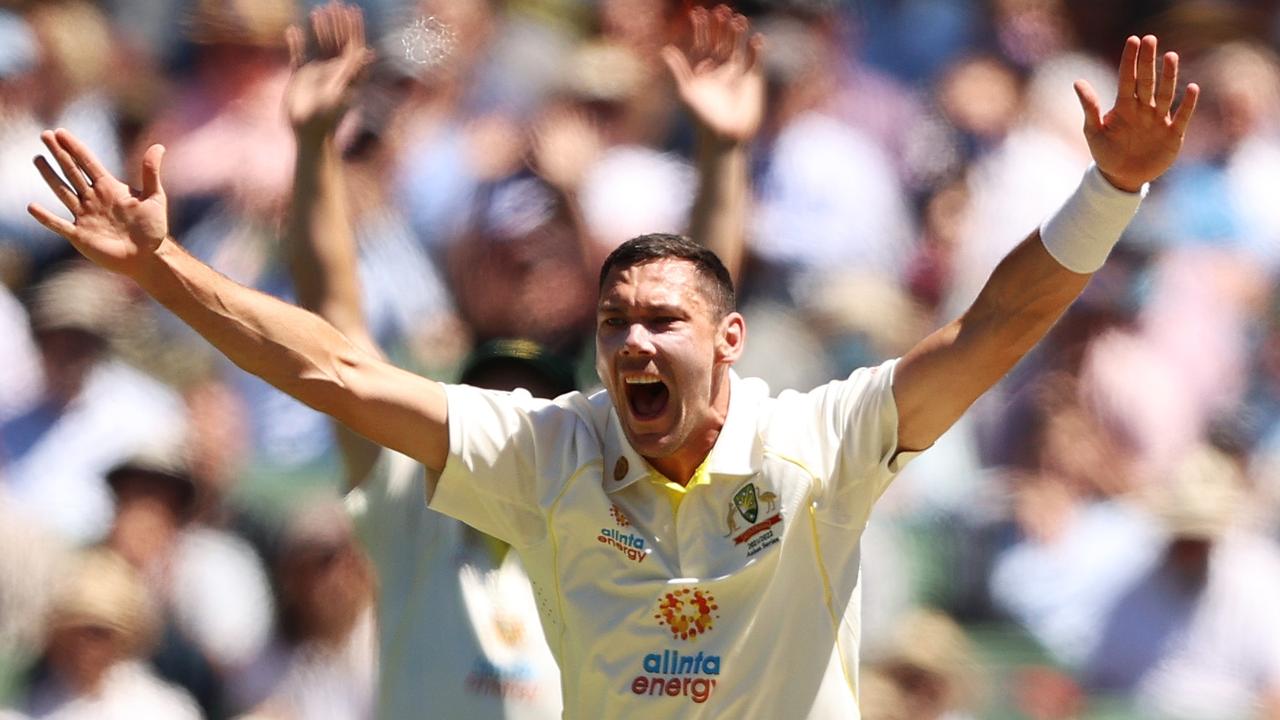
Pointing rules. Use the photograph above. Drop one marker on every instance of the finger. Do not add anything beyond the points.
(1146, 87)
(755, 51)
(60, 188)
(1186, 109)
(357, 26)
(678, 64)
(333, 30)
(722, 34)
(1091, 106)
(701, 35)
(1168, 84)
(297, 44)
(1126, 88)
(314, 22)
(151, 161)
(79, 183)
(83, 156)
(341, 26)
(51, 221)
(741, 37)
(323, 27)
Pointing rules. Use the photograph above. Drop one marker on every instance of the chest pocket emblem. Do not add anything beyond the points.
(746, 505)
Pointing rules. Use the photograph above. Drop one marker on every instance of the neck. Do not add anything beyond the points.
(680, 465)
(679, 468)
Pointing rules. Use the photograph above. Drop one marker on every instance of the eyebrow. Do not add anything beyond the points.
(655, 308)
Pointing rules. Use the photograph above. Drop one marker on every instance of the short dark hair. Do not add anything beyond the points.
(660, 246)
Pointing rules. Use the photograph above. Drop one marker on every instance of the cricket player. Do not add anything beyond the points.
(692, 540)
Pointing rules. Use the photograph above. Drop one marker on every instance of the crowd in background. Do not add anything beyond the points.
(1095, 538)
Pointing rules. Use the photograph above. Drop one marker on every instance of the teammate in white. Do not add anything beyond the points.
(458, 631)
(695, 541)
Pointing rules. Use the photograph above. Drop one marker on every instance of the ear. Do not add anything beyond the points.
(731, 336)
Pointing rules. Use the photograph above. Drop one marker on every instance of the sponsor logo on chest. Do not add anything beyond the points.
(681, 673)
(629, 544)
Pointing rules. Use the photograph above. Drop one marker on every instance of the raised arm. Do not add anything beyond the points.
(720, 80)
(319, 242)
(1029, 290)
(127, 231)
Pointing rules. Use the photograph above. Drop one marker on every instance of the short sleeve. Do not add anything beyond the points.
(508, 455)
(860, 418)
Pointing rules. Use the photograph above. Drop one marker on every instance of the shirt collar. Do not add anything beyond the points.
(738, 449)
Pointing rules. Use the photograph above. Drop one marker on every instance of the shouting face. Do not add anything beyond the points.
(663, 352)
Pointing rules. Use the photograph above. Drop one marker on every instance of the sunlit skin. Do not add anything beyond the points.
(653, 321)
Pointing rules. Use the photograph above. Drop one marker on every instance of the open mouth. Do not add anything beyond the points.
(646, 396)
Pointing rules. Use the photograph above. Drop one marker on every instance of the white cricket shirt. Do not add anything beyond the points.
(743, 602)
(458, 631)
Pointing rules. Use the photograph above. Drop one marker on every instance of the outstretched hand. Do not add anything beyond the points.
(115, 226)
(1139, 138)
(720, 77)
(326, 61)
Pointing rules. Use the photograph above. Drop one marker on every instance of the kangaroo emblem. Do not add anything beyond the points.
(733, 526)
(769, 499)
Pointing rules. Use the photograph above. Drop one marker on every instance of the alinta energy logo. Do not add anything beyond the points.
(629, 544)
(687, 613)
(618, 516)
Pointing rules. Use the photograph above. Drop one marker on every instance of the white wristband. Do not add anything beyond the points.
(1082, 232)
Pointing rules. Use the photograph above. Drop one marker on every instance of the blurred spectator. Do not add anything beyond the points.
(20, 383)
(815, 164)
(1196, 635)
(430, 115)
(324, 661)
(1062, 573)
(521, 268)
(52, 68)
(916, 40)
(1027, 175)
(100, 624)
(933, 667)
(92, 412)
(225, 133)
(1221, 197)
(32, 561)
(212, 592)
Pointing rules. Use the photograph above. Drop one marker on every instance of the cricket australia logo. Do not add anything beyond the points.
(758, 533)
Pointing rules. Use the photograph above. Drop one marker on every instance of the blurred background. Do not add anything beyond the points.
(1095, 539)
